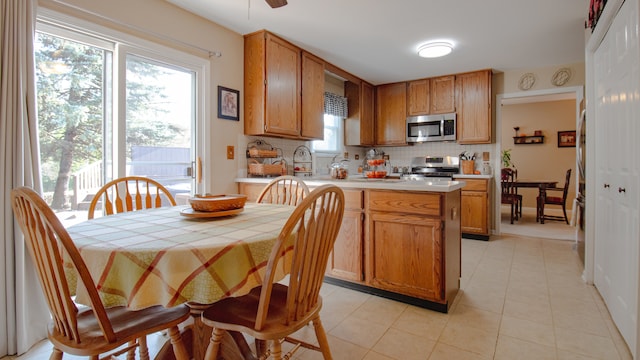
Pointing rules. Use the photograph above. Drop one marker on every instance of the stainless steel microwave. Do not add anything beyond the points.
(441, 127)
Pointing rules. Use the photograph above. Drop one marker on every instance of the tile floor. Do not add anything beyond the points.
(520, 298)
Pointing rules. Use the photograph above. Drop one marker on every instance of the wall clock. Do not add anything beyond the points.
(561, 76)
(526, 81)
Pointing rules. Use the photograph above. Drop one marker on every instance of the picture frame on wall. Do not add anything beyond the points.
(228, 103)
(567, 138)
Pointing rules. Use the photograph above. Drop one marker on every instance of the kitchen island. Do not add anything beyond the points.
(399, 239)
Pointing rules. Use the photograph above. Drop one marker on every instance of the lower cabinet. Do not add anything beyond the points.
(475, 218)
(412, 244)
(252, 190)
(405, 255)
(345, 261)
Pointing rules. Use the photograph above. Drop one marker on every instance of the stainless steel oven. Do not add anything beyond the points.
(425, 128)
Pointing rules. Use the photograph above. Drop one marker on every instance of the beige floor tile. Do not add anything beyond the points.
(592, 324)
(509, 348)
(447, 352)
(537, 312)
(527, 330)
(528, 293)
(426, 323)
(360, 332)
(400, 345)
(568, 355)
(372, 355)
(470, 316)
(380, 310)
(578, 342)
(478, 341)
(340, 349)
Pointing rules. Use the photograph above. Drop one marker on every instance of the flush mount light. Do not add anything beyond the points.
(435, 49)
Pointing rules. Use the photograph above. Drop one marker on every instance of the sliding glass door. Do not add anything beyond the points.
(108, 110)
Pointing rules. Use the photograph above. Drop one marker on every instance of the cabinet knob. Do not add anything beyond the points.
(606, 186)
(622, 190)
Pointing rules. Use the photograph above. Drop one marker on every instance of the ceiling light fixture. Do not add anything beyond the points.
(435, 49)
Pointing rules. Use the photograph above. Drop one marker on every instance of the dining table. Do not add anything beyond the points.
(541, 185)
(174, 255)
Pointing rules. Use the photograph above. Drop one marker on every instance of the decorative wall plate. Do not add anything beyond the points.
(561, 76)
(526, 81)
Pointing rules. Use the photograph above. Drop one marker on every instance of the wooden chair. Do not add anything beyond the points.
(554, 200)
(286, 190)
(85, 331)
(131, 193)
(271, 312)
(509, 194)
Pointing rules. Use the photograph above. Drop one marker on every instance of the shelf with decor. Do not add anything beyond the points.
(538, 139)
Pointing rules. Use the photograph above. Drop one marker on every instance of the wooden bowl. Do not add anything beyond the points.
(217, 202)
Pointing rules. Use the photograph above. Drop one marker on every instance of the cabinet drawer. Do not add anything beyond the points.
(475, 185)
(405, 202)
(353, 199)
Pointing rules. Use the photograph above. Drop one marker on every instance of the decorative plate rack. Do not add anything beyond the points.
(302, 161)
(263, 160)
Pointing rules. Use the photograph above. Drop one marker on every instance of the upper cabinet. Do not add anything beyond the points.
(273, 85)
(418, 97)
(312, 121)
(473, 107)
(391, 114)
(443, 95)
(359, 125)
(431, 96)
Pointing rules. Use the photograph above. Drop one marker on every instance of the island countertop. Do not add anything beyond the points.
(360, 182)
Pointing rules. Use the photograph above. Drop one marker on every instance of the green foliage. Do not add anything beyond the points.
(506, 159)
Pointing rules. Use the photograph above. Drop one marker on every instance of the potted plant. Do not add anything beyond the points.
(506, 159)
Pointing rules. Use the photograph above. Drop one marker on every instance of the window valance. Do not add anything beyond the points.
(335, 105)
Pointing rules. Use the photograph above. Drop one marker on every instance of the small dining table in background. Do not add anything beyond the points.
(542, 185)
(167, 257)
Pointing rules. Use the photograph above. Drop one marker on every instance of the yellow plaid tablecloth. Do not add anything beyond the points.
(159, 257)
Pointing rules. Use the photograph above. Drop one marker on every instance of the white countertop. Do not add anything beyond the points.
(364, 183)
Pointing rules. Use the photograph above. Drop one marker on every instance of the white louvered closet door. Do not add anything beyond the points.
(617, 115)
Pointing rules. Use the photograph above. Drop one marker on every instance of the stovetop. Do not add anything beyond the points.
(435, 166)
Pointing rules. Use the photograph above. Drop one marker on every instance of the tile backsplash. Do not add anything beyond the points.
(398, 155)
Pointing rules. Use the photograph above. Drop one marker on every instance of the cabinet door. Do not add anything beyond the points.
(283, 88)
(367, 114)
(312, 101)
(473, 218)
(346, 260)
(359, 125)
(443, 95)
(405, 255)
(418, 97)
(391, 114)
(474, 107)
(252, 190)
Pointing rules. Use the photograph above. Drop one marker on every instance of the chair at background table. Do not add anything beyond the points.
(131, 193)
(84, 331)
(286, 190)
(509, 192)
(271, 312)
(554, 200)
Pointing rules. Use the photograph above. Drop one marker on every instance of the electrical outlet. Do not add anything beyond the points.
(230, 152)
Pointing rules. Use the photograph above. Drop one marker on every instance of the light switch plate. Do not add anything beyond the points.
(230, 152)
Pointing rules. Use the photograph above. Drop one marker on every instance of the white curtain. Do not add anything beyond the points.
(23, 311)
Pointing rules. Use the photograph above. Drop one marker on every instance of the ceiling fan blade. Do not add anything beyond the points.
(276, 3)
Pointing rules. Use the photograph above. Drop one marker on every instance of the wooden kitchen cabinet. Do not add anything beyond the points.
(473, 97)
(391, 114)
(409, 250)
(475, 208)
(418, 97)
(273, 79)
(312, 102)
(359, 125)
(252, 190)
(346, 259)
(443, 94)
